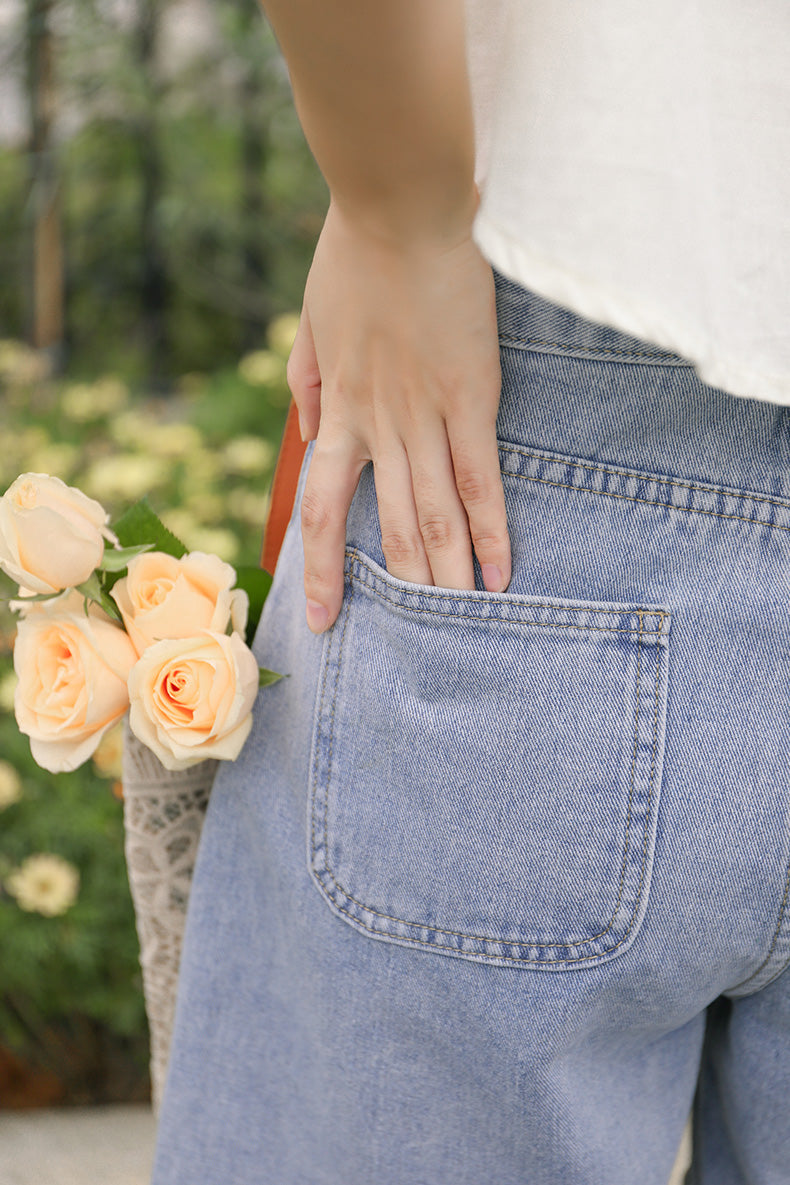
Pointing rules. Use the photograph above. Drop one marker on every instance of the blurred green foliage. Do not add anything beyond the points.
(71, 983)
(212, 141)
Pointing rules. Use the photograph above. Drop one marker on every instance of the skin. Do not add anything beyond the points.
(396, 358)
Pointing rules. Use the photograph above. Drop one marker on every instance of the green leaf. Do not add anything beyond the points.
(139, 525)
(92, 590)
(110, 608)
(115, 559)
(18, 600)
(256, 583)
(266, 678)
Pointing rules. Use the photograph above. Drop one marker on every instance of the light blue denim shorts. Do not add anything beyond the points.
(499, 885)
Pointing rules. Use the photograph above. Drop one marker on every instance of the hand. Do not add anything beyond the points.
(396, 361)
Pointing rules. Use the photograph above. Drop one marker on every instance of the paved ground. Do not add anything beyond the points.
(77, 1146)
(90, 1146)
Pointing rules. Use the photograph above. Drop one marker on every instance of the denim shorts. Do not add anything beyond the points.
(499, 886)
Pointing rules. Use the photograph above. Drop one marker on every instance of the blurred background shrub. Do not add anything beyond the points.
(158, 204)
(158, 212)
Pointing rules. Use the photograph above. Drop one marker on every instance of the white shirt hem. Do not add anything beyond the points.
(556, 282)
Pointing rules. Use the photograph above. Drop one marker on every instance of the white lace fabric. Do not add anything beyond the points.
(163, 817)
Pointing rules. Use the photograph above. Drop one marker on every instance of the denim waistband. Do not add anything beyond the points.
(581, 389)
(526, 319)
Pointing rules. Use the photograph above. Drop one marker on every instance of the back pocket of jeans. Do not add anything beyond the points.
(486, 770)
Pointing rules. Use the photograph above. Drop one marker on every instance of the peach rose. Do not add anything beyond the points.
(192, 698)
(72, 671)
(51, 535)
(163, 598)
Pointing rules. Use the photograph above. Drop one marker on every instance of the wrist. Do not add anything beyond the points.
(417, 218)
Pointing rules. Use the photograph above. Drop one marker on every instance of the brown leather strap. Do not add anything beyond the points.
(286, 479)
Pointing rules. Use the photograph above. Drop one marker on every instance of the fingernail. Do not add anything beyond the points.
(492, 577)
(317, 617)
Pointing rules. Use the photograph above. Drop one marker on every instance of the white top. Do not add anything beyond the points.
(634, 166)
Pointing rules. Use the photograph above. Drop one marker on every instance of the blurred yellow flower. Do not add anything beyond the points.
(7, 688)
(107, 758)
(204, 468)
(44, 884)
(12, 456)
(21, 365)
(27, 443)
(196, 537)
(133, 428)
(215, 541)
(174, 440)
(127, 475)
(56, 458)
(90, 401)
(282, 331)
(262, 367)
(181, 522)
(207, 507)
(249, 455)
(10, 785)
(248, 506)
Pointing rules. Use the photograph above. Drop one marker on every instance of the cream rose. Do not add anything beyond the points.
(72, 672)
(51, 535)
(192, 698)
(162, 598)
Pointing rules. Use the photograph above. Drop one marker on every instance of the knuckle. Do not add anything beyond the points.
(436, 532)
(318, 585)
(400, 548)
(315, 513)
(473, 486)
(491, 544)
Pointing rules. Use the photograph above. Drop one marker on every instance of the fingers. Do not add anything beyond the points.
(479, 484)
(304, 379)
(329, 488)
(435, 504)
(442, 520)
(401, 540)
(460, 505)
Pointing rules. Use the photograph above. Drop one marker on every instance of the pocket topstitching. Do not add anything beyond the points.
(486, 768)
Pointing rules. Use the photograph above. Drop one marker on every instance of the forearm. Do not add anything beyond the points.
(382, 93)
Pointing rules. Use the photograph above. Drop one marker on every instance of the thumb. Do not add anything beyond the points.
(304, 378)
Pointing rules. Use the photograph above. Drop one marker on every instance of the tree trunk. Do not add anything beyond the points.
(154, 280)
(254, 154)
(45, 190)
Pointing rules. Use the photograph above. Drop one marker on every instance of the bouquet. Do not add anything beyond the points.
(121, 618)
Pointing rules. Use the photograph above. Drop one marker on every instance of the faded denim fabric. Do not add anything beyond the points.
(500, 878)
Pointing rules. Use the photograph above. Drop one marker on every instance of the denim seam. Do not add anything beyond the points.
(772, 947)
(483, 956)
(641, 477)
(331, 734)
(643, 358)
(642, 633)
(478, 937)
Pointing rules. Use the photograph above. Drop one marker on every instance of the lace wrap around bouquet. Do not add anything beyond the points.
(163, 816)
(122, 621)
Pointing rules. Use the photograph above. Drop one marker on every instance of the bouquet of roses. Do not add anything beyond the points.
(122, 618)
